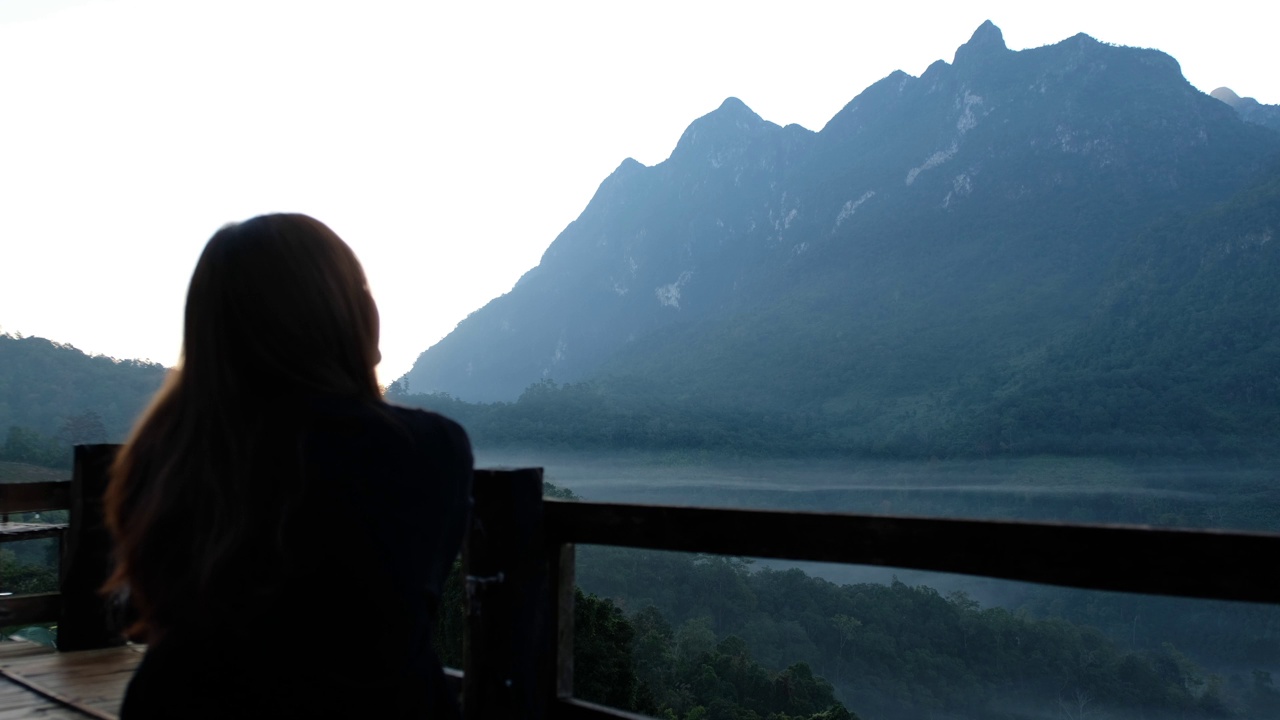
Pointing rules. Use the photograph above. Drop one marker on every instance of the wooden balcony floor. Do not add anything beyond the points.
(37, 682)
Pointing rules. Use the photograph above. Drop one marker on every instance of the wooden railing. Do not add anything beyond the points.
(518, 560)
(85, 619)
(521, 549)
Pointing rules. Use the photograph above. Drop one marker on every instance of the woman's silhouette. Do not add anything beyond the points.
(281, 531)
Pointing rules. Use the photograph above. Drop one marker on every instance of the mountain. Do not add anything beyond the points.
(651, 248)
(903, 277)
(1251, 110)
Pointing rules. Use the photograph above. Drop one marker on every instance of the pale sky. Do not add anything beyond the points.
(448, 143)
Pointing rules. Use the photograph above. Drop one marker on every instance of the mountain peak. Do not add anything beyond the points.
(732, 112)
(629, 164)
(724, 125)
(987, 40)
(1228, 96)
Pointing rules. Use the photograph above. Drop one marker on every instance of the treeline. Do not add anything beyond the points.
(902, 651)
(587, 416)
(53, 396)
(584, 417)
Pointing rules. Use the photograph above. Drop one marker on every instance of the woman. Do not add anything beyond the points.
(282, 532)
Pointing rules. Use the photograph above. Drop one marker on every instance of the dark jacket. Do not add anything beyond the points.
(346, 629)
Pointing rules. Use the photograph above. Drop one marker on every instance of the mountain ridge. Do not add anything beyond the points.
(975, 213)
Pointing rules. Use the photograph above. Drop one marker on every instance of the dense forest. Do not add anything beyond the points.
(639, 663)
(898, 650)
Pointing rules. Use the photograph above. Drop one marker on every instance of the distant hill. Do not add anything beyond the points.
(53, 395)
(1059, 249)
(1250, 110)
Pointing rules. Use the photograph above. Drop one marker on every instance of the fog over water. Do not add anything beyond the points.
(1082, 490)
(1046, 488)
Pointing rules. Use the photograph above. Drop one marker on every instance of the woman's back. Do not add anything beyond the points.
(348, 624)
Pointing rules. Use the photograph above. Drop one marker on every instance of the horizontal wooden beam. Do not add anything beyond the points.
(30, 609)
(25, 497)
(571, 709)
(13, 532)
(1188, 563)
(453, 682)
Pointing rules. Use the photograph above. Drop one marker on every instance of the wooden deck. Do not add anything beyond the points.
(36, 682)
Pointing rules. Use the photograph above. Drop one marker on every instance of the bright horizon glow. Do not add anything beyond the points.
(448, 145)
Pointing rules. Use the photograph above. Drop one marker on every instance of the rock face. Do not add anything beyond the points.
(936, 228)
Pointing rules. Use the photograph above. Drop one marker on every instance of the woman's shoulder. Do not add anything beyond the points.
(427, 425)
(389, 428)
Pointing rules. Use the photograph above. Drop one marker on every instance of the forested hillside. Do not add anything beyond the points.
(1177, 357)
(1180, 355)
(53, 396)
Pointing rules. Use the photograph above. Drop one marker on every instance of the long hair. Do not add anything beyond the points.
(278, 310)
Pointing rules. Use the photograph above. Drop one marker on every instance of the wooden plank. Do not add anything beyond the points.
(17, 532)
(26, 497)
(562, 571)
(57, 698)
(81, 684)
(19, 703)
(89, 620)
(60, 666)
(570, 709)
(30, 609)
(14, 649)
(1187, 563)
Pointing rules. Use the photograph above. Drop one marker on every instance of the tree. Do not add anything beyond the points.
(83, 428)
(604, 669)
(25, 445)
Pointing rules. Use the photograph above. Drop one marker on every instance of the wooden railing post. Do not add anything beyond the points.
(557, 661)
(88, 619)
(507, 580)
